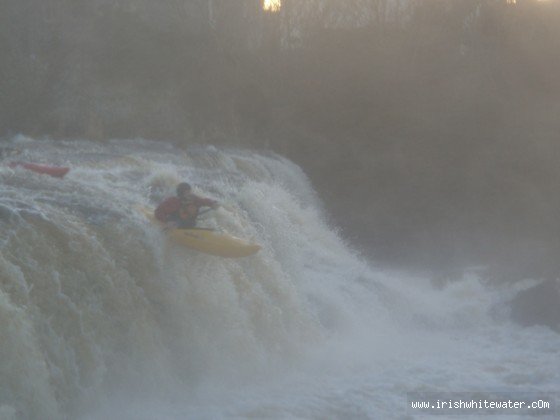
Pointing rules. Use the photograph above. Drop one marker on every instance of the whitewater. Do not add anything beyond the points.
(101, 318)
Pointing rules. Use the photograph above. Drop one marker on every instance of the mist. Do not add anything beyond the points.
(396, 161)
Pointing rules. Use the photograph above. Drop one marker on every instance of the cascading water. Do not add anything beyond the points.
(100, 317)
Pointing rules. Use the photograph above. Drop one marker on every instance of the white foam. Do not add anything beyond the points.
(114, 322)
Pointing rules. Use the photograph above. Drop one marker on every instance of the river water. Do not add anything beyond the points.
(101, 318)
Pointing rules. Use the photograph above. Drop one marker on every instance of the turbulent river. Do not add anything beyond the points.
(101, 317)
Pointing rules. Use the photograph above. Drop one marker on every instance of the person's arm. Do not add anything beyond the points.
(206, 202)
(167, 207)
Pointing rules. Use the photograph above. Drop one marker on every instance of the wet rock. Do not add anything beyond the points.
(539, 305)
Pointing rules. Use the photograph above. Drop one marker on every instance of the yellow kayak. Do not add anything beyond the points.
(208, 241)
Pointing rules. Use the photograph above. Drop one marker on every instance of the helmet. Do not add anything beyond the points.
(183, 187)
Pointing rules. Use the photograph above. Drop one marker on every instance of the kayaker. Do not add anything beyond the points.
(181, 210)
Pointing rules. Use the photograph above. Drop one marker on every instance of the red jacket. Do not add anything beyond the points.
(173, 208)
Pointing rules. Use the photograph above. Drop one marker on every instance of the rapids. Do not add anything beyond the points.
(101, 318)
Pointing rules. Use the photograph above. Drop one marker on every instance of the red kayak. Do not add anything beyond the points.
(56, 171)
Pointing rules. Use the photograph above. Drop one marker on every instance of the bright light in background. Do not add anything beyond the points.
(538, 1)
(272, 5)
